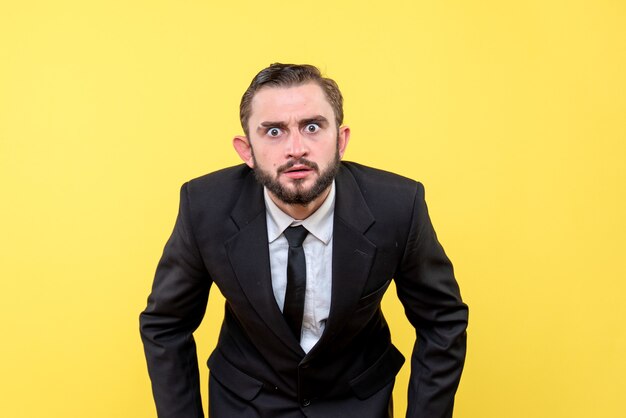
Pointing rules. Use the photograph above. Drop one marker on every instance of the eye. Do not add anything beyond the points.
(274, 132)
(311, 128)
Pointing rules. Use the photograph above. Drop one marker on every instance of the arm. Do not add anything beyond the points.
(175, 309)
(432, 302)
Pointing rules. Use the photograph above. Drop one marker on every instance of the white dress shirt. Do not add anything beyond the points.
(318, 249)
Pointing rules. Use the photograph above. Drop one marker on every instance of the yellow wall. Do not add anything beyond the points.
(513, 114)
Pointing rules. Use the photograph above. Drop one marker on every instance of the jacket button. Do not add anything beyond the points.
(306, 402)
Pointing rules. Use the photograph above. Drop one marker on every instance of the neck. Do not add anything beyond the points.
(301, 212)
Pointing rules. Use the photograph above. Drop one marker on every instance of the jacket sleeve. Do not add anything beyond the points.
(430, 295)
(175, 308)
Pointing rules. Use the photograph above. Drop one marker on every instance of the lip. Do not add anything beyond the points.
(298, 171)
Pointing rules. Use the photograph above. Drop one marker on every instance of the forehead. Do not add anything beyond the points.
(281, 103)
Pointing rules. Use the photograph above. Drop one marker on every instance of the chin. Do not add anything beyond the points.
(300, 185)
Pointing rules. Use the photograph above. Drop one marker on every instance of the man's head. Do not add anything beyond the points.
(290, 75)
(294, 139)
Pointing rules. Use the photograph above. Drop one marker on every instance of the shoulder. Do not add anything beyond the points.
(379, 184)
(219, 184)
(222, 179)
(218, 190)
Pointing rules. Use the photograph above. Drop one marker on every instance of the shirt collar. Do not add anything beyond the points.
(319, 223)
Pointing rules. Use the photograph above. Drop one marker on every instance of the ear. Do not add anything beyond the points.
(342, 139)
(244, 149)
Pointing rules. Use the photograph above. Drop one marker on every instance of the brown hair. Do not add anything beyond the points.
(289, 75)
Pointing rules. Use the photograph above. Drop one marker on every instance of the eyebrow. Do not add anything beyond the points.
(269, 124)
(319, 119)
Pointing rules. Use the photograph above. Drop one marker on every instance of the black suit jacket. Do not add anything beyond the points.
(382, 231)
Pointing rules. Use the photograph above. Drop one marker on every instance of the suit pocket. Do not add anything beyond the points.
(373, 297)
(379, 374)
(231, 377)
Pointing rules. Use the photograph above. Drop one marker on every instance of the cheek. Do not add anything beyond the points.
(266, 160)
(329, 151)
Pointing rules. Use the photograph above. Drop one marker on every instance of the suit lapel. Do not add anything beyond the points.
(249, 257)
(353, 254)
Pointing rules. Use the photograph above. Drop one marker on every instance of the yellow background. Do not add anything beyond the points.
(513, 114)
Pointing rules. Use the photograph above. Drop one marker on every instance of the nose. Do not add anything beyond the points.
(296, 146)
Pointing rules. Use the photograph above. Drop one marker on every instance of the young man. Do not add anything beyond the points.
(303, 247)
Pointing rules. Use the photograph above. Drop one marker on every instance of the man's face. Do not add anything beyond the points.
(294, 145)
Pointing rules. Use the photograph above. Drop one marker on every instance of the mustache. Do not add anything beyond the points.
(301, 161)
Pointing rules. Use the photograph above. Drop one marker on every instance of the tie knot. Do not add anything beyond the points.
(295, 235)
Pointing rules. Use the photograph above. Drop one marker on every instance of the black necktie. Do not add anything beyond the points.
(296, 279)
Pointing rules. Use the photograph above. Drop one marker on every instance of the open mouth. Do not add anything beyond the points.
(298, 169)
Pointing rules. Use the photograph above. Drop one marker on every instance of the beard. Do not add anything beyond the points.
(298, 195)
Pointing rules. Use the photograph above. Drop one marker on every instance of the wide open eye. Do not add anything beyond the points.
(311, 128)
(274, 132)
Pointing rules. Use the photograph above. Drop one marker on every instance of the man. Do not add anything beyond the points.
(303, 334)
